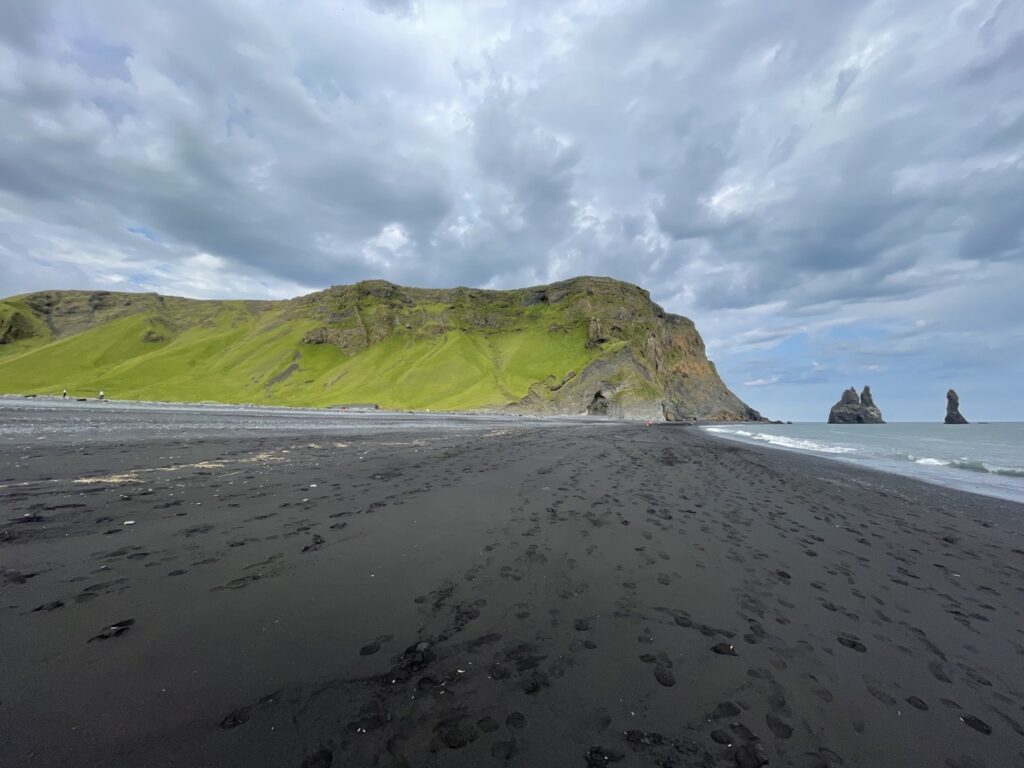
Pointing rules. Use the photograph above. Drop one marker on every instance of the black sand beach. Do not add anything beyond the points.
(572, 595)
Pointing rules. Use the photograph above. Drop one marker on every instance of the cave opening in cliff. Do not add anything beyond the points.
(598, 406)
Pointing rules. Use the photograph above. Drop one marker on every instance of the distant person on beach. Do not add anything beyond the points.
(101, 395)
(65, 395)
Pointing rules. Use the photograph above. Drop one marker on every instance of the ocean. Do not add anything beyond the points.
(986, 458)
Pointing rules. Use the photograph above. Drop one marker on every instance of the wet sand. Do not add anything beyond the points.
(586, 595)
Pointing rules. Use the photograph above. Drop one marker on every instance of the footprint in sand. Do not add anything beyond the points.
(917, 703)
(487, 724)
(979, 725)
(725, 709)
(114, 630)
(371, 648)
(664, 676)
(851, 642)
(778, 726)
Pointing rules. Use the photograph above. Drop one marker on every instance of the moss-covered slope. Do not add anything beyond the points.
(587, 343)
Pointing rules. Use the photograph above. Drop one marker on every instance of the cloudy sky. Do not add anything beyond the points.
(833, 190)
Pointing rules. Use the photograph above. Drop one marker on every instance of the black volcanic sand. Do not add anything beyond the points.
(606, 595)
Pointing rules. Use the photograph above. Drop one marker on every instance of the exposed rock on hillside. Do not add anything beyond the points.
(14, 327)
(953, 415)
(586, 345)
(855, 409)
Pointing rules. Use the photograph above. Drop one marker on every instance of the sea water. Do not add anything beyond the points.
(985, 458)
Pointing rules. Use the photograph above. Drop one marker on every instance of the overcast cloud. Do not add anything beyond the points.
(834, 191)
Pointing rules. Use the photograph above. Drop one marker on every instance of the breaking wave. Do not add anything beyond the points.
(989, 469)
(989, 459)
(785, 442)
(970, 465)
(803, 444)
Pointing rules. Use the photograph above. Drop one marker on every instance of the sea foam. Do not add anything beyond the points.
(785, 442)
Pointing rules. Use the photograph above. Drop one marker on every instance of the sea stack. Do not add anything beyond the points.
(855, 409)
(953, 415)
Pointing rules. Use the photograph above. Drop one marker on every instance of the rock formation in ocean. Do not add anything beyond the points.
(953, 415)
(872, 415)
(855, 409)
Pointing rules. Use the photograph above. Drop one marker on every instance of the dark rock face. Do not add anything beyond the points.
(953, 415)
(855, 409)
(872, 415)
(866, 399)
(16, 327)
(598, 406)
(654, 365)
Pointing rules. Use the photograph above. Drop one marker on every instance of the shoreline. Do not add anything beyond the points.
(842, 471)
(965, 474)
(597, 594)
(469, 416)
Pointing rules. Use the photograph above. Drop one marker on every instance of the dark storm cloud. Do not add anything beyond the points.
(222, 152)
(791, 167)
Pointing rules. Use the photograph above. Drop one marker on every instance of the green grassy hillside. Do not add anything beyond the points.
(229, 353)
(373, 342)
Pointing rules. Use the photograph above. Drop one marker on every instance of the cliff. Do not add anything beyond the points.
(583, 345)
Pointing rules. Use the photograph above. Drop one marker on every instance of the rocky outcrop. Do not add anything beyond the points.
(652, 366)
(14, 328)
(348, 340)
(855, 409)
(953, 415)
